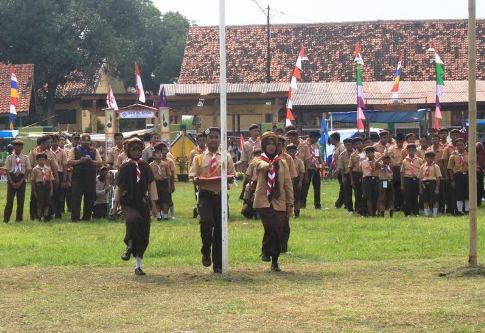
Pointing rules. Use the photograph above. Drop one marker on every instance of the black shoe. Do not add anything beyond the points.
(126, 255)
(159, 219)
(319, 207)
(5, 221)
(206, 261)
(297, 213)
(459, 214)
(391, 212)
(217, 270)
(275, 267)
(195, 213)
(139, 272)
(265, 257)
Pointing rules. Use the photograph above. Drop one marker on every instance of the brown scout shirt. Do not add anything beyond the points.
(291, 164)
(61, 159)
(248, 148)
(285, 185)
(337, 150)
(369, 168)
(24, 166)
(344, 161)
(384, 171)
(355, 159)
(380, 148)
(38, 175)
(299, 166)
(429, 172)
(396, 155)
(51, 158)
(161, 171)
(201, 168)
(458, 163)
(114, 155)
(410, 166)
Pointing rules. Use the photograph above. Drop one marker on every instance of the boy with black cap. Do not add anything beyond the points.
(356, 174)
(370, 181)
(42, 186)
(458, 175)
(206, 174)
(136, 192)
(18, 168)
(160, 167)
(429, 180)
(410, 181)
(385, 199)
(344, 171)
(337, 150)
(313, 165)
(396, 153)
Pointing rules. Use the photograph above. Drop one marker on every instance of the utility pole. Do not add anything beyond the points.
(268, 47)
(472, 134)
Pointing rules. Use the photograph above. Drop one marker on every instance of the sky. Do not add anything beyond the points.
(206, 12)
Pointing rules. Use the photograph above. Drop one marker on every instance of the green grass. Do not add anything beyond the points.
(318, 236)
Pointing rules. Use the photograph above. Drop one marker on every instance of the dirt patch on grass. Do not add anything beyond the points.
(344, 296)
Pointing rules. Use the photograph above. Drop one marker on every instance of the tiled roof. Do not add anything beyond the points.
(79, 83)
(25, 77)
(329, 47)
(339, 93)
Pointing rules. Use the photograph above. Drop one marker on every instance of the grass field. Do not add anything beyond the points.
(343, 273)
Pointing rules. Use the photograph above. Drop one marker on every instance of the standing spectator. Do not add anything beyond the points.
(344, 171)
(115, 151)
(100, 208)
(18, 168)
(59, 188)
(429, 179)
(42, 186)
(480, 172)
(337, 150)
(147, 154)
(410, 181)
(313, 165)
(84, 160)
(76, 138)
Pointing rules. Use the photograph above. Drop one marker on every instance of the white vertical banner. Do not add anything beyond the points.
(223, 105)
(109, 130)
(164, 119)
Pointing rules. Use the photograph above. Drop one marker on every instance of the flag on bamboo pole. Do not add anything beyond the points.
(110, 100)
(14, 97)
(139, 85)
(295, 77)
(440, 85)
(360, 88)
(397, 80)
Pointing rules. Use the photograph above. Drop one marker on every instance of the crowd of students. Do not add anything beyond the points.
(393, 174)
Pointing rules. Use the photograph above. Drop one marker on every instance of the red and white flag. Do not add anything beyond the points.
(110, 100)
(295, 77)
(139, 85)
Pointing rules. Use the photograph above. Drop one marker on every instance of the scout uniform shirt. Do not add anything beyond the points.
(42, 175)
(369, 168)
(338, 149)
(61, 159)
(291, 164)
(355, 158)
(196, 151)
(429, 172)
(439, 158)
(381, 148)
(448, 150)
(51, 158)
(410, 166)
(114, 155)
(202, 167)
(344, 161)
(384, 171)
(299, 166)
(18, 164)
(248, 148)
(303, 152)
(161, 171)
(396, 155)
(458, 163)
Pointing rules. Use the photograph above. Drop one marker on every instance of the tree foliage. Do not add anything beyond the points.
(62, 36)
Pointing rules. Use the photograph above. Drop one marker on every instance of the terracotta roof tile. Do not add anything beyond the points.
(329, 47)
(79, 83)
(25, 77)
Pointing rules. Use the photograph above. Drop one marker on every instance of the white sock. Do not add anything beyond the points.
(435, 212)
(159, 215)
(138, 262)
(171, 212)
(467, 206)
(459, 205)
(426, 212)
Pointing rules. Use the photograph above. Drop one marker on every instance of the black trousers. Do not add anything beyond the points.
(480, 189)
(359, 202)
(411, 194)
(274, 224)
(100, 211)
(313, 178)
(82, 189)
(11, 194)
(347, 187)
(210, 217)
(450, 198)
(341, 199)
(396, 184)
(461, 186)
(137, 223)
(59, 197)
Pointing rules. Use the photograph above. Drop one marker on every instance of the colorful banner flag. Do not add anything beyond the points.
(139, 85)
(110, 100)
(295, 77)
(440, 85)
(14, 97)
(162, 98)
(397, 80)
(360, 88)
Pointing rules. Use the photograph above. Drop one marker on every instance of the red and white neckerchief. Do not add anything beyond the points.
(213, 167)
(138, 172)
(253, 143)
(56, 151)
(372, 166)
(386, 168)
(412, 169)
(313, 156)
(271, 173)
(18, 165)
(462, 160)
(44, 175)
(426, 173)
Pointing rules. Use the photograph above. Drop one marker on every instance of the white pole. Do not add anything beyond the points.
(222, 85)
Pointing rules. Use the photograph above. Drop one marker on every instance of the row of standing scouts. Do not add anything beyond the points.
(392, 174)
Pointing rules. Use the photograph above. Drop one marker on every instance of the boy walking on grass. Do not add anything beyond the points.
(163, 179)
(42, 187)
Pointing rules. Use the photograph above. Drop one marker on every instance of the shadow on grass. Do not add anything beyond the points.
(465, 272)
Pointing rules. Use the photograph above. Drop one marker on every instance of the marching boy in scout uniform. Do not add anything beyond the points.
(430, 178)
(410, 181)
(206, 172)
(18, 168)
(458, 175)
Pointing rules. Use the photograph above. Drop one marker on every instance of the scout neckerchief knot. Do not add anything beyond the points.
(387, 169)
(412, 170)
(426, 173)
(138, 172)
(271, 172)
(18, 168)
(85, 152)
(44, 176)
(253, 142)
(313, 155)
(462, 160)
(213, 167)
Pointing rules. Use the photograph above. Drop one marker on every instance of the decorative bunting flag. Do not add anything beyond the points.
(295, 77)
(110, 100)
(360, 89)
(397, 80)
(440, 85)
(139, 85)
(14, 96)
(162, 98)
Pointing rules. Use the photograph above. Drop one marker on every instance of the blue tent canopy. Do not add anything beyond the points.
(375, 116)
(8, 134)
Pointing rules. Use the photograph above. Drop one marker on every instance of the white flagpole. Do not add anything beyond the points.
(222, 84)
